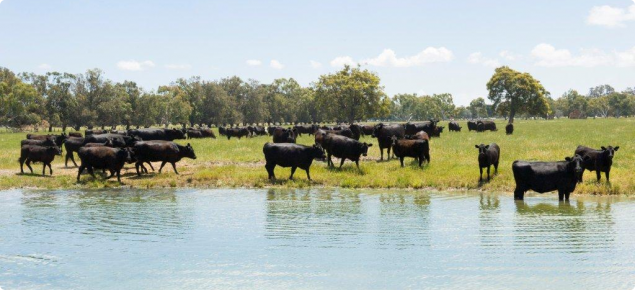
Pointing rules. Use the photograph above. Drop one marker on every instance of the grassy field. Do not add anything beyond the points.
(240, 163)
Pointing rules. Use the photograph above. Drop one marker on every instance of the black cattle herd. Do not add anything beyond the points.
(111, 150)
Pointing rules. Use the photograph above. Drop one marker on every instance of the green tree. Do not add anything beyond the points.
(517, 92)
(350, 94)
(478, 108)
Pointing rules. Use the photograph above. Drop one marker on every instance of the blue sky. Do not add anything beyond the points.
(415, 46)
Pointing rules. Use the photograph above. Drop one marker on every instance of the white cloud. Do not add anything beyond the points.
(44, 66)
(254, 62)
(134, 65)
(276, 64)
(428, 55)
(477, 58)
(342, 60)
(611, 16)
(548, 56)
(626, 58)
(176, 66)
(315, 64)
(0, 2)
(507, 55)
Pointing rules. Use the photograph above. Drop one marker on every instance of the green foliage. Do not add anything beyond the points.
(513, 92)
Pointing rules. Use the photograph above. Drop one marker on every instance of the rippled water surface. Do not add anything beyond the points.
(312, 239)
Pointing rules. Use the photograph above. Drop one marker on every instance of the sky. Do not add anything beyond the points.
(423, 47)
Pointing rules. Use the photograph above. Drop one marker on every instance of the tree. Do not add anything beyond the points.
(445, 104)
(478, 108)
(350, 94)
(600, 106)
(601, 90)
(517, 93)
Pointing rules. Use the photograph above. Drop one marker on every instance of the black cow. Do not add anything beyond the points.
(207, 132)
(46, 142)
(436, 132)
(194, 133)
(488, 155)
(306, 129)
(598, 160)
(356, 130)
(472, 125)
(58, 139)
(237, 132)
(543, 177)
(367, 129)
(283, 135)
(418, 149)
(344, 148)
(482, 126)
(117, 140)
(290, 155)
(108, 143)
(72, 144)
(454, 126)
(95, 132)
(427, 126)
(384, 134)
(222, 131)
(102, 157)
(35, 153)
(75, 134)
(509, 129)
(421, 135)
(164, 151)
(157, 134)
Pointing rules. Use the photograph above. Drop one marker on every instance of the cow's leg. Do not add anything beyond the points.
(329, 161)
(401, 160)
(382, 153)
(270, 170)
(162, 164)
(560, 195)
(427, 154)
(151, 167)
(307, 174)
(481, 176)
(496, 168)
(91, 171)
(389, 153)
(488, 168)
(292, 172)
(43, 168)
(566, 195)
(342, 162)
(79, 172)
(174, 166)
(136, 167)
(421, 160)
(357, 163)
(28, 164)
(119, 175)
(607, 176)
(50, 169)
(598, 174)
(21, 165)
(68, 156)
(519, 194)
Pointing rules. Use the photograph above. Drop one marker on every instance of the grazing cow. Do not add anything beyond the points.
(283, 135)
(194, 133)
(305, 129)
(207, 132)
(598, 160)
(164, 151)
(509, 129)
(291, 155)
(427, 126)
(58, 139)
(418, 149)
(367, 129)
(102, 157)
(436, 132)
(75, 134)
(472, 125)
(421, 135)
(344, 148)
(222, 131)
(384, 134)
(482, 126)
(488, 155)
(72, 144)
(94, 132)
(35, 153)
(237, 132)
(543, 177)
(157, 134)
(454, 126)
(117, 140)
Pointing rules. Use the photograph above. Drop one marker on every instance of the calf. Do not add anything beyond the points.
(102, 157)
(282, 135)
(344, 148)
(488, 155)
(384, 134)
(598, 160)
(35, 153)
(72, 144)
(543, 177)
(418, 149)
(291, 155)
(454, 126)
(164, 151)
(509, 129)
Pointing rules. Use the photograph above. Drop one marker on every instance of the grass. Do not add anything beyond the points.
(240, 163)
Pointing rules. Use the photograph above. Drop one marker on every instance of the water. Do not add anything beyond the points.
(312, 239)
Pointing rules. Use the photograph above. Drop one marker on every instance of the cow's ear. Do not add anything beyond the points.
(188, 145)
(616, 147)
(567, 158)
(370, 144)
(603, 148)
(476, 146)
(486, 146)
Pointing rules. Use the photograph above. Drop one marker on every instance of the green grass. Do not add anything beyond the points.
(240, 163)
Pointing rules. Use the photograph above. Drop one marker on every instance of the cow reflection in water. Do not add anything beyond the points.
(579, 227)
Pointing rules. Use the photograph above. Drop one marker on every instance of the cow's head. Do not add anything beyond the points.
(54, 150)
(123, 155)
(482, 149)
(317, 152)
(575, 165)
(609, 152)
(187, 151)
(377, 129)
(363, 147)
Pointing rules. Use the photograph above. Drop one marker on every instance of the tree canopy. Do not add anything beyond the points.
(514, 92)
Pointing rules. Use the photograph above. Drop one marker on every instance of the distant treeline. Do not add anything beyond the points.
(66, 100)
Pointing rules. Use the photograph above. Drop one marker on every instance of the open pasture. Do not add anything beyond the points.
(240, 163)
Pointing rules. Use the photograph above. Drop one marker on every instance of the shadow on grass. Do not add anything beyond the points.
(35, 174)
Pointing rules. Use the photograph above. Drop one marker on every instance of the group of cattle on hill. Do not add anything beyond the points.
(107, 150)
(110, 150)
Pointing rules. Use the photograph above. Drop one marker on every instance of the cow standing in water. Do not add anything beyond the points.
(543, 177)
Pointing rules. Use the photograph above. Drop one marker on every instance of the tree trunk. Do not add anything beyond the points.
(50, 128)
(512, 112)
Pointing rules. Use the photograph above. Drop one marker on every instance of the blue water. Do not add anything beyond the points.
(312, 239)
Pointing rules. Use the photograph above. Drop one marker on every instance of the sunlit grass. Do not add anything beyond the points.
(240, 163)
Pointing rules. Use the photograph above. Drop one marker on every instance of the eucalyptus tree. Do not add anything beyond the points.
(514, 92)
